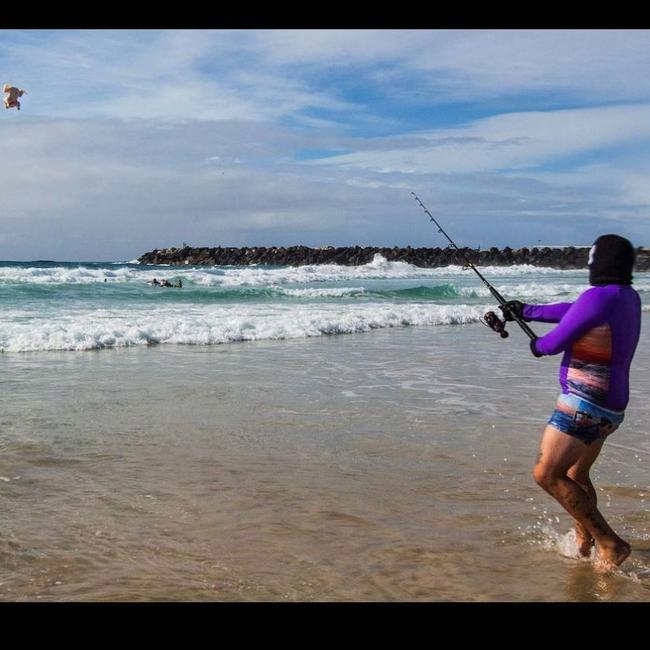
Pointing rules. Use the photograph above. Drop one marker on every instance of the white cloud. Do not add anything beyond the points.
(169, 75)
(273, 74)
(516, 140)
(146, 138)
(462, 65)
(105, 189)
(346, 47)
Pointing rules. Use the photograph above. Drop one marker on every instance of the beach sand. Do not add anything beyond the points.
(388, 466)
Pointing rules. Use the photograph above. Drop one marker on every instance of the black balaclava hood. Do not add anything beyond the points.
(611, 259)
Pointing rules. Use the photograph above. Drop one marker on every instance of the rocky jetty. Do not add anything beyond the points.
(567, 257)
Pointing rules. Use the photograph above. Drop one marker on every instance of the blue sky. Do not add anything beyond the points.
(131, 140)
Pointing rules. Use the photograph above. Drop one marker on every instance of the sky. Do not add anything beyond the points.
(130, 140)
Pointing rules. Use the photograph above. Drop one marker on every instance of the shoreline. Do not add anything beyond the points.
(566, 257)
(378, 467)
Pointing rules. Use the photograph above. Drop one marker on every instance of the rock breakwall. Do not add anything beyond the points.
(568, 257)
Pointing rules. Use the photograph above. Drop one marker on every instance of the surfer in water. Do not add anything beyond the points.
(166, 283)
(598, 334)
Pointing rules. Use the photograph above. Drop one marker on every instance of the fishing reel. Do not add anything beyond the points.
(491, 320)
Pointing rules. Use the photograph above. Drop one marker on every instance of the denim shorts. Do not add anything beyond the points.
(584, 420)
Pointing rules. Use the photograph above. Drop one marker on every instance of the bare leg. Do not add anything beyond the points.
(559, 453)
(579, 473)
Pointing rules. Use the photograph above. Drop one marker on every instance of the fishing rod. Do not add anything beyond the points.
(490, 319)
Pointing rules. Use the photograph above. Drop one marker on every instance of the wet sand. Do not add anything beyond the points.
(388, 466)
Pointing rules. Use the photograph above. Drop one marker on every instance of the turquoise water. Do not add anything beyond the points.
(369, 441)
(85, 306)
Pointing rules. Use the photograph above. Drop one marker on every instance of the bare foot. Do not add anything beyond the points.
(610, 557)
(584, 539)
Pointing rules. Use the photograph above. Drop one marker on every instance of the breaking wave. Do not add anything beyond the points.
(209, 326)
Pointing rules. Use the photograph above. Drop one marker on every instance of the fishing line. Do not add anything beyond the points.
(490, 318)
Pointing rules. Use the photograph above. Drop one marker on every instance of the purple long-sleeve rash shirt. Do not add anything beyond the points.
(598, 334)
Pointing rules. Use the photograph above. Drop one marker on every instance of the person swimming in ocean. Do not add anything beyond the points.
(598, 334)
(166, 283)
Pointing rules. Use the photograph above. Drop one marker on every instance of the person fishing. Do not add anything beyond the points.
(598, 334)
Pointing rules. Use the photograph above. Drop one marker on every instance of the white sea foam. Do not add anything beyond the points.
(379, 268)
(67, 275)
(566, 544)
(211, 324)
(213, 313)
(537, 290)
(340, 292)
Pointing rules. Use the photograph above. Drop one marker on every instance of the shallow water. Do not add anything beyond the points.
(387, 466)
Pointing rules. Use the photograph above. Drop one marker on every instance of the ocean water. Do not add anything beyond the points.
(306, 434)
(73, 306)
